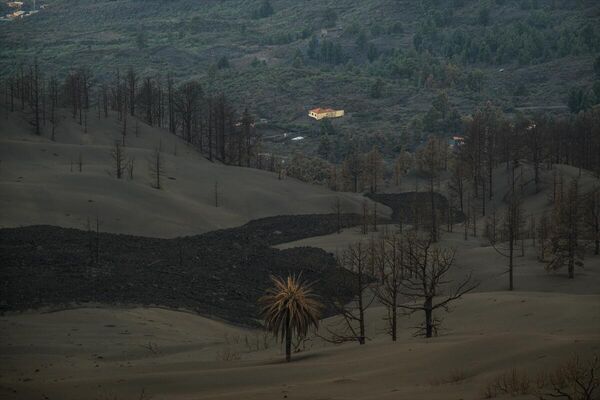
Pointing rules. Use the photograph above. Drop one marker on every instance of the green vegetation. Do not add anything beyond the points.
(385, 62)
(265, 10)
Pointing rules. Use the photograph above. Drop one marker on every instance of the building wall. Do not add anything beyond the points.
(333, 114)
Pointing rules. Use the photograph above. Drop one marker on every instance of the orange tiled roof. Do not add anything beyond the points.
(321, 110)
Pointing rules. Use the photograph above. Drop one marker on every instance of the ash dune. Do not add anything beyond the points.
(488, 267)
(476, 255)
(131, 353)
(40, 183)
(140, 353)
(437, 237)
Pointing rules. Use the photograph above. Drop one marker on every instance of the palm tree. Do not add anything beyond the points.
(290, 307)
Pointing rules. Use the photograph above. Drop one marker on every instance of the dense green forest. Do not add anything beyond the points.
(402, 70)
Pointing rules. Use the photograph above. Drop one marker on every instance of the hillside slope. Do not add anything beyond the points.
(40, 183)
(475, 254)
(383, 61)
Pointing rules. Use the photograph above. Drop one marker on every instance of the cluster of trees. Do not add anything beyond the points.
(27, 91)
(537, 39)
(407, 273)
(442, 117)
(207, 121)
(265, 9)
(287, 37)
(492, 140)
(356, 172)
(529, 150)
(359, 171)
(325, 51)
(328, 18)
(404, 271)
(529, 147)
(308, 169)
(581, 99)
(573, 222)
(559, 237)
(425, 70)
(375, 30)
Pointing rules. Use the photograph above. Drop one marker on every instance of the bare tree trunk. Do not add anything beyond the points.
(511, 245)
(337, 208)
(210, 132)
(216, 194)
(483, 197)
(97, 244)
(12, 95)
(491, 183)
(474, 221)
(374, 216)
(361, 313)
(394, 323)
(571, 259)
(428, 317)
(434, 235)
(22, 84)
(288, 339)
(36, 98)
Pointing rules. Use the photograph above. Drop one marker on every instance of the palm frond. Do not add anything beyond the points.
(290, 306)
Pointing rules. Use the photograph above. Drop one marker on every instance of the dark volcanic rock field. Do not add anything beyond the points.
(408, 206)
(221, 273)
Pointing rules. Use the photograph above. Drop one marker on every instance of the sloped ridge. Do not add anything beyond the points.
(41, 184)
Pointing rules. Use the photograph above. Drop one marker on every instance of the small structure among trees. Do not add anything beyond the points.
(321, 113)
